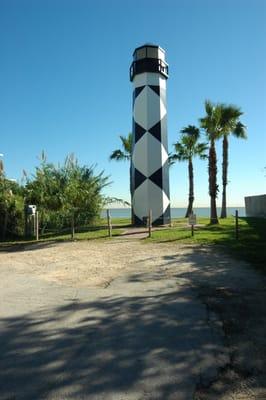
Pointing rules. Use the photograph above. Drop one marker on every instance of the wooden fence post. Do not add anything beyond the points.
(34, 224)
(109, 223)
(150, 222)
(25, 222)
(37, 225)
(72, 227)
(236, 225)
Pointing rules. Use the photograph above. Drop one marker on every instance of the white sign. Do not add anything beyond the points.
(192, 220)
(32, 209)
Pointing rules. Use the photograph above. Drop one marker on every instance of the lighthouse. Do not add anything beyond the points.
(149, 164)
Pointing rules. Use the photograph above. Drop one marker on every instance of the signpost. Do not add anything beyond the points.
(30, 221)
(192, 220)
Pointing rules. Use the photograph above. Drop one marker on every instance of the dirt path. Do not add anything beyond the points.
(118, 319)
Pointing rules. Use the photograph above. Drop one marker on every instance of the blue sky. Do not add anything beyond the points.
(64, 82)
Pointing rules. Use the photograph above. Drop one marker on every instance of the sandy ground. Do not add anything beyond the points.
(84, 264)
(228, 296)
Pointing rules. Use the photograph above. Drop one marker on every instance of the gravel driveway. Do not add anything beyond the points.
(117, 319)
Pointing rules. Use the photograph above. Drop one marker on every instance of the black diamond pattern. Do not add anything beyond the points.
(139, 131)
(160, 176)
(137, 221)
(156, 131)
(139, 178)
(157, 178)
(138, 90)
(156, 89)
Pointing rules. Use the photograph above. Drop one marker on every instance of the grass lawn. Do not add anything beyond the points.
(83, 234)
(99, 231)
(250, 246)
(116, 222)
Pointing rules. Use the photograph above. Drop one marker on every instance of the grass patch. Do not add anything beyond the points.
(83, 234)
(98, 231)
(251, 245)
(116, 222)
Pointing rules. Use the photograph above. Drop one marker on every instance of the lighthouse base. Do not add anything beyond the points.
(164, 219)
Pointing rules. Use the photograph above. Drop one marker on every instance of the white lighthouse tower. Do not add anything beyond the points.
(149, 169)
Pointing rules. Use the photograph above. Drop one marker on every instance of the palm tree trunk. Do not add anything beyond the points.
(213, 187)
(191, 189)
(224, 177)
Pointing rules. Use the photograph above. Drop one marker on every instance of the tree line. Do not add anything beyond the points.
(66, 195)
(219, 122)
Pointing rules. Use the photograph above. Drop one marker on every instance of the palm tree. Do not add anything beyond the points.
(125, 155)
(230, 125)
(186, 150)
(211, 123)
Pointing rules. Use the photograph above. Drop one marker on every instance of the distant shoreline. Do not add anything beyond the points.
(176, 212)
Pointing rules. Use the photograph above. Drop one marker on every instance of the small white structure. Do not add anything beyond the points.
(31, 209)
(255, 206)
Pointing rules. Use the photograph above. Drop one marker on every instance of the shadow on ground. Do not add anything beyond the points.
(31, 246)
(151, 346)
(236, 294)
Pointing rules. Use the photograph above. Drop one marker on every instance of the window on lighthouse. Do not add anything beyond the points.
(152, 52)
(141, 53)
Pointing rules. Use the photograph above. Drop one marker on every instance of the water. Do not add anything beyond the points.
(177, 212)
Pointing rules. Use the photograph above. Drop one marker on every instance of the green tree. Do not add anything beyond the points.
(185, 150)
(45, 190)
(5, 204)
(211, 123)
(66, 193)
(11, 206)
(230, 125)
(125, 153)
(82, 197)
